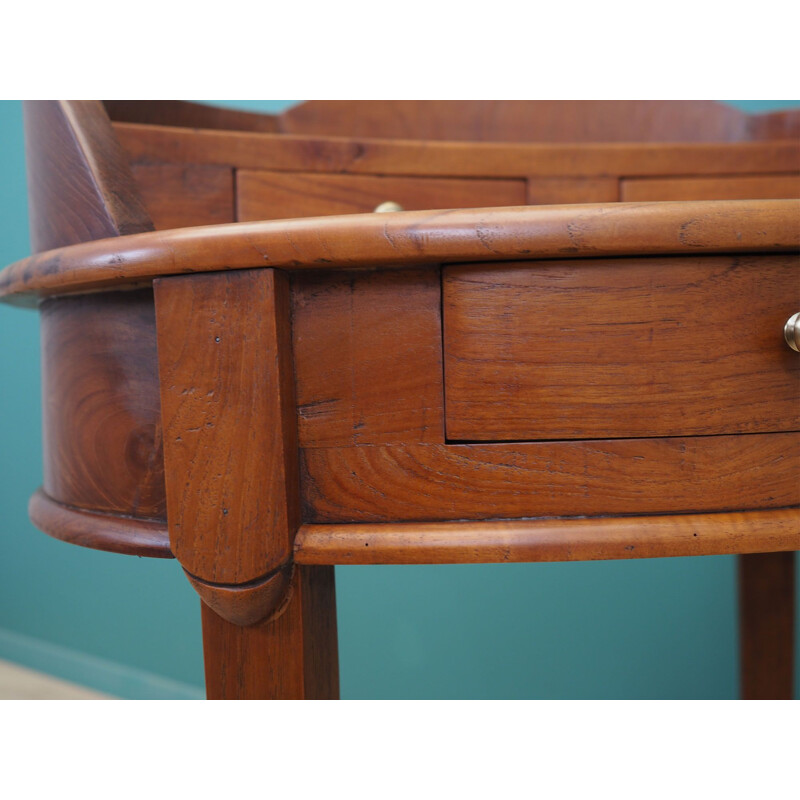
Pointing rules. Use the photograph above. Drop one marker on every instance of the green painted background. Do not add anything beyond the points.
(662, 628)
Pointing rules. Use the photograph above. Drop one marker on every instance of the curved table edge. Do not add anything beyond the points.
(412, 238)
(131, 536)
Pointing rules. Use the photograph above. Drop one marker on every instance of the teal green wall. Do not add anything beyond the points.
(636, 629)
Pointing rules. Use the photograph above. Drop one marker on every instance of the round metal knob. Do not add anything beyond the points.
(791, 332)
(389, 205)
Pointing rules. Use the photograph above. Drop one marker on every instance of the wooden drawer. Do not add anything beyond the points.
(648, 347)
(743, 187)
(285, 195)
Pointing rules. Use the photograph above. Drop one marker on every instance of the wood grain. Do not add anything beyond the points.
(742, 187)
(481, 120)
(368, 357)
(291, 153)
(181, 114)
(620, 348)
(776, 125)
(79, 183)
(131, 536)
(293, 657)
(181, 196)
(227, 399)
(557, 191)
(559, 539)
(100, 404)
(247, 604)
(279, 195)
(379, 483)
(766, 625)
(540, 479)
(412, 238)
(493, 541)
(521, 120)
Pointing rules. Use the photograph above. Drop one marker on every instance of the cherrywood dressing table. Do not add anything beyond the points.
(247, 370)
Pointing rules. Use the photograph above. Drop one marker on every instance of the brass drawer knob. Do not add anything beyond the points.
(389, 205)
(791, 332)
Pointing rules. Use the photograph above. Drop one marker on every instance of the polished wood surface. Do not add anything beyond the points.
(133, 536)
(227, 401)
(291, 657)
(558, 191)
(368, 357)
(101, 410)
(292, 153)
(612, 375)
(743, 187)
(588, 349)
(412, 238)
(278, 195)
(554, 539)
(776, 125)
(80, 186)
(123, 363)
(481, 120)
(766, 625)
(483, 541)
(531, 479)
(180, 195)
(188, 115)
(247, 604)
(523, 120)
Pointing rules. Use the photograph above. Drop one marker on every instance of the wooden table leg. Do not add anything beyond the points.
(293, 657)
(766, 625)
(233, 499)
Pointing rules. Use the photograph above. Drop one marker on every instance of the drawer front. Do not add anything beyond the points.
(560, 191)
(744, 187)
(620, 348)
(285, 195)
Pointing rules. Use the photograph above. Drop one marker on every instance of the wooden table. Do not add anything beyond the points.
(265, 399)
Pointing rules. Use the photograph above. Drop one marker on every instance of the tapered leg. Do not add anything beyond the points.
(233, 498)
(293, 657)
(766, 626)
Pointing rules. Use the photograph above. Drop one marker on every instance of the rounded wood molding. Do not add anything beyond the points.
(115, 534)
(251, 603)
(553, 539)
(491, 541)
(411, 238)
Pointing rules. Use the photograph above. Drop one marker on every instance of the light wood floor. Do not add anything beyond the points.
(20, 683)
